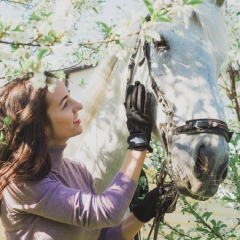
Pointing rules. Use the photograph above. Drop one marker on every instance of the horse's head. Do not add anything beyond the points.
(186, 65)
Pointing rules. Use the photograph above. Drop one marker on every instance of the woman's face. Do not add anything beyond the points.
(63, 113)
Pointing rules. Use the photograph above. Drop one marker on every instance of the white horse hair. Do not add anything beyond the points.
(187, 74)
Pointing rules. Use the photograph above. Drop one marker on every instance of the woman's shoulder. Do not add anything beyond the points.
(78, 168)
(74, 163)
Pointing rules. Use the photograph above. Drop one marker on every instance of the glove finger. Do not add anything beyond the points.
(147, 104)
(135, 96)
(141, 98)
(154, 193)
(128, 100)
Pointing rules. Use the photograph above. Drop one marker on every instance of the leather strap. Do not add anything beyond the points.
(197, 126)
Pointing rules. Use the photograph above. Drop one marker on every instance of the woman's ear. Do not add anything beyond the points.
(48, 132)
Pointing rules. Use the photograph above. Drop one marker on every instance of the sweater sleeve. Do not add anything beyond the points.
(112, 233)
(50, 199)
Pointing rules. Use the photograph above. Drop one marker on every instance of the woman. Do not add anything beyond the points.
(45, 196)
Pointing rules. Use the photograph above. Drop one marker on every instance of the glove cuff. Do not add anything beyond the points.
(138, 141)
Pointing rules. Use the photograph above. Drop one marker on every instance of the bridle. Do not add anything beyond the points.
(169, 129)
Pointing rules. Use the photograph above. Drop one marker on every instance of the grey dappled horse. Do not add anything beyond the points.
(185, 65)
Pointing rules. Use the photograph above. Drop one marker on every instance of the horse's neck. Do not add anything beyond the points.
(105, 133)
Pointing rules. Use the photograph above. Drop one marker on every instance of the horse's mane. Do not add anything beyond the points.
(93, 95)
(214, 28)
(211, 20)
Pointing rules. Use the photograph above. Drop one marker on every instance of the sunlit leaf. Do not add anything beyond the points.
(153, 34)
(41, 53)
(149, 6)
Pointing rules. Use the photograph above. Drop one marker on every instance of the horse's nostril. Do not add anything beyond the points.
(201, 165)
(206, 167)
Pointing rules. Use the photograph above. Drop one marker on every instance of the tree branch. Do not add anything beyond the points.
(32, 44)
(234, 99)
(201, 220)
(175, 230)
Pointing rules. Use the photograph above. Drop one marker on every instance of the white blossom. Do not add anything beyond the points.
(51, 87)
(44, 27)
(121, 55)
(59, 51)
(39, 80)
(224, 231)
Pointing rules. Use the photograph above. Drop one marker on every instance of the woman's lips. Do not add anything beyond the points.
(78, 121)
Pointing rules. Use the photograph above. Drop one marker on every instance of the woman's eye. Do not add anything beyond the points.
(65, 105)
(160, 45)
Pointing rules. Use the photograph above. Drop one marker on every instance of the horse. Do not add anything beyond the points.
(185, 65)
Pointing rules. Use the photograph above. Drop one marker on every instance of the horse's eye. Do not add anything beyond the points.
(160, 45)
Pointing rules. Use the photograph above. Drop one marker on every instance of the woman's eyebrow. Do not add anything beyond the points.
(63, 99)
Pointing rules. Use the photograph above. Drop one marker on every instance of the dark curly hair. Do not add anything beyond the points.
(24, 153)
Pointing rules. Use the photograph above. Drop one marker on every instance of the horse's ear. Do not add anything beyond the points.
(218, 3)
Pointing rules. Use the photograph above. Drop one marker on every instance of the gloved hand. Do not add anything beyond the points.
(165, 199)
(139, 117)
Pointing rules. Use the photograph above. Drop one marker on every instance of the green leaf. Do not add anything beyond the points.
(1, 26)
(14, 47)
(143, 19)
(149, 6)
(207, 215)
(205, 230)
(42, 51)
(34, 17)
(145, 166)
(2, 138)
(148, 39)
(120, 44)
(228, 199)
(237, 138)
(232, 236)
(163, 12)
(192, 2)
(214, 223)
(237, 79)
(95, 10)
(103, 25)
(6, 121)
(19, 28)
(163, 19)
(27, 65)
(229, 106)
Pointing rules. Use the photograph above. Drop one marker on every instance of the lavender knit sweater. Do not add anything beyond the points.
(65, 206)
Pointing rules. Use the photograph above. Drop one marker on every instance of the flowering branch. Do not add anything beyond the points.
(111, 39)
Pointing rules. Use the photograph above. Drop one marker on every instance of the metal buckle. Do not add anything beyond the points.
(202, 124)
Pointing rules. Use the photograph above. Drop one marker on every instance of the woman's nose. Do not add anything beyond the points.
(77, 106)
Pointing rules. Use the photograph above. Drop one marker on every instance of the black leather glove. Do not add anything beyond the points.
(165, 199)
(139, 117)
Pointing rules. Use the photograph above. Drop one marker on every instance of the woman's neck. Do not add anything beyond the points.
(56, 155)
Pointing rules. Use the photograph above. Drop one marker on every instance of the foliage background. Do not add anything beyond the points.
(40, 35)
